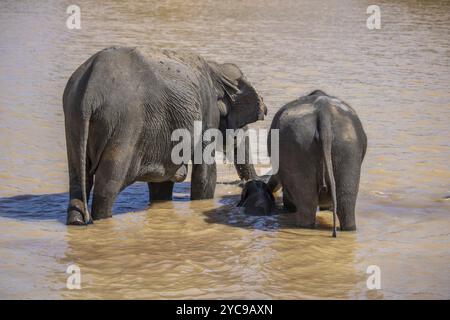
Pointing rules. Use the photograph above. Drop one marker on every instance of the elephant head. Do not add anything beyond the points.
(256, 198)
(238, 102)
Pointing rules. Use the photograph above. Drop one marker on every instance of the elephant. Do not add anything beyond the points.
(322, 145)
(121, 107)
(257, 198)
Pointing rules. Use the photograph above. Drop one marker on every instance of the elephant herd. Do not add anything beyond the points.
(122, 105)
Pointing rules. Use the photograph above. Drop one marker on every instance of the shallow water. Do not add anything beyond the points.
(396, 78)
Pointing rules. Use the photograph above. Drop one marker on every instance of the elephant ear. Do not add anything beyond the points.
(226, 80)
(238, 102)
(231, 71)
(247, 106)
(230, 75)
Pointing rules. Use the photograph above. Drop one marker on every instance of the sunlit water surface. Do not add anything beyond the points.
(397, 79)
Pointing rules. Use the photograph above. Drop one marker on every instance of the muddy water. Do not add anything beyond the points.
(397, 79)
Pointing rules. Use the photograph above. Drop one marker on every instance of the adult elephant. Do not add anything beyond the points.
(121, 107)
(321, 148)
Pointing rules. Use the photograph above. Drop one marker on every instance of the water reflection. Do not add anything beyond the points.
(166, 252)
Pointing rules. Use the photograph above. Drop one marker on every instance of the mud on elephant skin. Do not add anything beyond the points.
(121, 107)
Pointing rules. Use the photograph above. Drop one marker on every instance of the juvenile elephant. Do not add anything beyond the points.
(257, 198)
(321, 148)
(121, 107)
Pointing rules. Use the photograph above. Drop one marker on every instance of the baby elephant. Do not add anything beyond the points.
(256, 198)
(321, 148)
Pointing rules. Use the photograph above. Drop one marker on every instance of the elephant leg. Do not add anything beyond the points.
(160, 191)
(306, 208)
(75, 209)
(203, 181)
(325, 203)
(301, 189)
(287, 203)
(111, 177)
(347, 182)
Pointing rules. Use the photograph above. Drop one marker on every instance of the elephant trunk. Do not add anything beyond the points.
(246, 170)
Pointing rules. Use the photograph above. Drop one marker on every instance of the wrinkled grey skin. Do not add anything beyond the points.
(322, 146)
(121, 107)
(257, 198)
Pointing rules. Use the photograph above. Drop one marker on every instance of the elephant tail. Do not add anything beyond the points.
(88, 105)
(83, 156)
(326, 137)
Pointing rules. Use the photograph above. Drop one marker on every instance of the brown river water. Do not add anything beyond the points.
(397, 78)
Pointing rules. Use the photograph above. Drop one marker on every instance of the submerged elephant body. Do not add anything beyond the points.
(121, 107)
(321, 148)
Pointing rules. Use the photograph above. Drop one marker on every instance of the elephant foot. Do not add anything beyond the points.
(348, 228)
(348, 224)
(306, 223)
(102, 216)
(75, 214)
(289, 207)
(75, 218)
